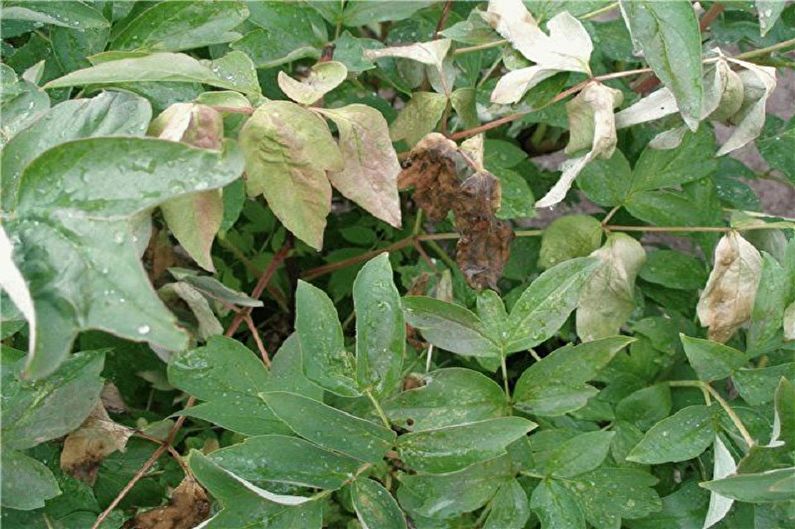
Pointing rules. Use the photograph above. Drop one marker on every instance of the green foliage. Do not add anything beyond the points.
(231, 296)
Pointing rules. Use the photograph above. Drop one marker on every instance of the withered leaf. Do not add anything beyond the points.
(728, 297)
(188, 507)
(444, 179)
(85, 448)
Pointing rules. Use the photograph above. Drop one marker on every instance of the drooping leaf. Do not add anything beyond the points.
(607, 299)
(758, 83)
(288, 150)
(669, 36)
(380, 329)
(728, 297)
(375, 507)
(322, 78)
(325, 360)
(78, 204)
(431, 53)
(177, 26)
(369, 176)
(682, 436)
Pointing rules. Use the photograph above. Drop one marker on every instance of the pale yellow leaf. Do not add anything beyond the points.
(323, 77)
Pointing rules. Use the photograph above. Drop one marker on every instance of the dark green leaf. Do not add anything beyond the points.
(770, 301)
(763, 487)
(757, 386)
(672, 269)
(578, 455)
(26, 482)
(682, 436)
(646, 406)
(556, 506)
(375, 507)
(510, 508)
(712, 360)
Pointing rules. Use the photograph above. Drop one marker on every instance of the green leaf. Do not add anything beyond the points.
(289, 460)
(80, 203)
(228, 377)
(773, 145)
(380, 329)
(692, 160)
(26, 482)
(162, 67)
(682, 436)
(673, 269)
(448, 495)
(712, 360)
(286, 32)
(450, 326)
(288, 151)
(546, 304)
(340, 431)
(517, 200)
(568, 237)
(177, 26)
(322, 78)
(769, 12)
(510, 508)
(785, 406)
(67, 14)
(21, 103)
(608, 297)
(456, 447)
(108, 114)
(760, 487)
(556, 507)
(757, 386)
(449, 397)
(578, 455)
(669, 36)
(214, 289)
(608, 495)
(37, 412)
(557, 384)
(375, 507)
(325, 360)
(418, 117)
(646, 406)
(767, 315)
(349, 50)
(363, 13)
(371, 166)
(607, 182)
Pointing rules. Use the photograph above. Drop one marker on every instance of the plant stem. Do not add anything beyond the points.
(378, 409)
(738, 423)
(600, 11)
(781, 46)
(504, 369)
(485, 46)
(669, 229)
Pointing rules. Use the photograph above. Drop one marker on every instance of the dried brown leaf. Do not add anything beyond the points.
(85, 448)
(188, 507)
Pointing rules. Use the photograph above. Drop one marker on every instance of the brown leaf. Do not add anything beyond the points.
(188, 507)
(111, 398)
(446, 179)
(85, 448)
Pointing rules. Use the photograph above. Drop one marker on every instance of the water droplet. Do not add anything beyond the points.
(143, 329)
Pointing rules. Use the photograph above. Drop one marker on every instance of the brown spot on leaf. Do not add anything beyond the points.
(443, 179)
(188, 507)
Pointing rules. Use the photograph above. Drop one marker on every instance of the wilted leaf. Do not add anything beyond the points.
(608, 297)
(431, 53)
(758, 83)
(418, 117)
(323, 77)
(187, 508)
(724, 465)
(728, 297)
(592, 124)
(207, 323)
(288, 150)
(194, 219)
(369, 176)
(85, 448)
(13, 284)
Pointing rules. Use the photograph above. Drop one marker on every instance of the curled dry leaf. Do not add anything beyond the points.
(444, 179)
(85, 448)
(567, 48)
(111, 398)
(431, 53)
(194, 219)
(323, 77)
(188, 507)
(728, 297)
(592, 123)
(758, 83)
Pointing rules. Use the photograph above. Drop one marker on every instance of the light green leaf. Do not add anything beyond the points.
(723, 466)
(288, 151)
(510, 508)
(712, 360)
(673, 269)
(349, 50)
(79, 203)
(556, 507)
(450, 326)
(546, 304)
(557, 384)
(363, 13)
(568, 237)
(608, 297)
(26, 482)
(769, 12)
(669, 36)
(371, 166)
(455, 447)
(682, 436)
(762, 487)
(375, 507)
(340, 431)
(325, 360)
(418, 117)
(516, 197)
(757, 386)
(67, 14)
(380, 329)
(449, 397)
(21, 104)
(177, 26)
(108, 114)
(322, 78)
